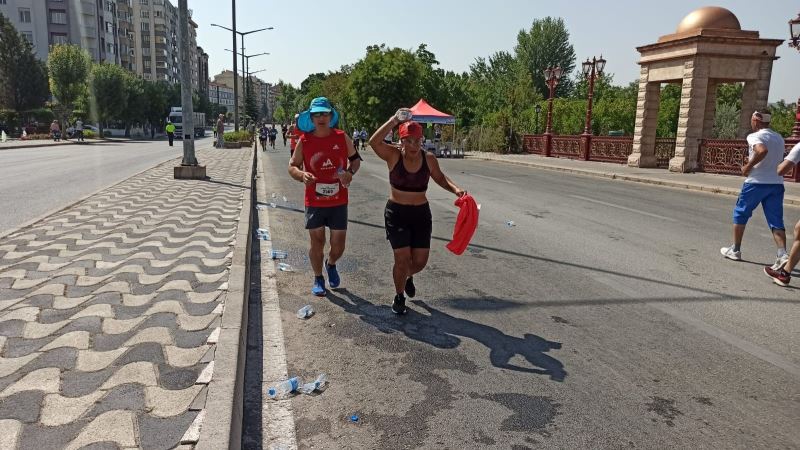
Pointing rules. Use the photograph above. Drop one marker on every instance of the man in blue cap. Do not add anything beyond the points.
(325, 160)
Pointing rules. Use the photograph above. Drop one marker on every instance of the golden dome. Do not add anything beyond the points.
(709, 17)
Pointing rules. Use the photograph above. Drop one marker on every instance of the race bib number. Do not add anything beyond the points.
(327, 190)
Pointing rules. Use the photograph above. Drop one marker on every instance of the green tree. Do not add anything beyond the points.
(384, 80)
(135, 101)
(668, 110)
(23, 78)
(157, 106)
(108, 94)
(69, 74)
(783, 117)
(545, 44)
(726, 121)
(279, 114)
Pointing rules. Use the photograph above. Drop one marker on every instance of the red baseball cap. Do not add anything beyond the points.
(412, 129)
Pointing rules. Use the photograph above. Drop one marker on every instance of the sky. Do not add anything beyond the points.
(317, 36)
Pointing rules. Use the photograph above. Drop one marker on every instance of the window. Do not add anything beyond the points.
(58, 16)
(25, 15)
(109, 27)
(146, 51)
(145, 14)
(58, 38)
(144, 2)
(28, 36)
(158, 13)
(2, 2)
(145, 26)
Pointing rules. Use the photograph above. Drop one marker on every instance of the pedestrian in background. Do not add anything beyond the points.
(220, 127)
(79, 130)
(782, 275)
(170, 129)
(55, 131)
(763, 186)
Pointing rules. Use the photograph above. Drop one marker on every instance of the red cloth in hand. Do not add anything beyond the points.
(466, 223)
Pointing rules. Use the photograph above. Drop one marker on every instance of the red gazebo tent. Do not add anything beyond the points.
(425, 113)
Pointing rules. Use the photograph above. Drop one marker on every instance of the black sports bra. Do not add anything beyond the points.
(403, 180)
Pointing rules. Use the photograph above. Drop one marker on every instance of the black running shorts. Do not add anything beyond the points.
(408, 225)
(333, 217)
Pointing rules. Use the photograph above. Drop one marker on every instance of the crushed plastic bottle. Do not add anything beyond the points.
(273, 205)
(284, 388)
(274, 195)
(285, 199)
(510, 224)
(279, 254)
(305, 312)
(316, 385)
(263, 234)
(283, 267)
(354, 418)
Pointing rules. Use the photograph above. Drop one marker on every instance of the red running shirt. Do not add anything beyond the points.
(466, 224)
(294, 136)
(323, 157)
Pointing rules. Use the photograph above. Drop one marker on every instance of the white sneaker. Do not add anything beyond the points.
(730, 254)
(780, 262)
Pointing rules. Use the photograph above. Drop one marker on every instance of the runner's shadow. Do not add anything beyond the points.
(445, 331)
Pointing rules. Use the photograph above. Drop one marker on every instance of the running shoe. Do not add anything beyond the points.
(411, 290)
(780, 262)
(779, 276)
(318, 288)
(729, 253)
(333, 275)
(399, 304)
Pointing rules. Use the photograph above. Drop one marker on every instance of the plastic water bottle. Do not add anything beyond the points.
(403, 114)
(284, 388)
(316, 385)
(305, 312)
(283, 267)
(274, 195)
(285, 199)
(279, 254)
(510, 224)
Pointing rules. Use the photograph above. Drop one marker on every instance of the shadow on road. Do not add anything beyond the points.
(254, 357)
(444, 331)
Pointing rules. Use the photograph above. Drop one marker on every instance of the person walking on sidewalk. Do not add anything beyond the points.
(325, 160)
(79, 130)
(782, 275)
(55, 131)
(763, 185)
(170, 129)
(220, 127)
(407, 216)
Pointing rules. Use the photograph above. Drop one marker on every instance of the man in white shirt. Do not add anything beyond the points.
(781, 275)
(763, 185)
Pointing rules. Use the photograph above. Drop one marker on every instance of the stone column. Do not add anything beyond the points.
(691, 117)
(748, 106)
(710, 110)
(644, 133)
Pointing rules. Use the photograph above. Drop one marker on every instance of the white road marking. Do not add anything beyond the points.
(491, 178)
(624, 208)
(277, 420)
(691, 319)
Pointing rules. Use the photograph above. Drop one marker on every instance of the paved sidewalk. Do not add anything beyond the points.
(110, 311)
(707, 182)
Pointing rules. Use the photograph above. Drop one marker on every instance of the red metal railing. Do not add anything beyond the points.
(665, 150)
(567, 147)
(533, 144)
(611, 149)
(729, 155)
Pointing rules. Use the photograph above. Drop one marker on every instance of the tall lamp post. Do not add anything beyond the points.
(551, 77)
(794, 42)
(246, 66)
(235, 70)
(591, 70)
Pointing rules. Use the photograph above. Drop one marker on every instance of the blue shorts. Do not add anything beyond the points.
(770, 196)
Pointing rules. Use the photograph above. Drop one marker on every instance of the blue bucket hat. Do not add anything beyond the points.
(319, 104)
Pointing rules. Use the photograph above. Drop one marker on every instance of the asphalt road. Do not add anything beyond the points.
(35, 181)
(605, 318)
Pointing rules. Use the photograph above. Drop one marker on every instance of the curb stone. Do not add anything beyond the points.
(222, 425)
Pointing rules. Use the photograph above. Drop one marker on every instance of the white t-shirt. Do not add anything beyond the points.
(766, 171)
(794, 154)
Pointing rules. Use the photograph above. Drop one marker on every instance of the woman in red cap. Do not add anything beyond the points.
(408, 215)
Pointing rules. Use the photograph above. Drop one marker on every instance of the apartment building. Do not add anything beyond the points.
(29, 17)
(221, 94)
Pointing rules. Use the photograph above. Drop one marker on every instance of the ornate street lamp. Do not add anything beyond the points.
(591, 70)
(794, 42)
(551, 77)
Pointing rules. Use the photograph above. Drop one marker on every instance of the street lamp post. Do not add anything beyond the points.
(794, 42)
(189, 167)
(246, 66)
(551, 77)
(235, 69)
(591, 70)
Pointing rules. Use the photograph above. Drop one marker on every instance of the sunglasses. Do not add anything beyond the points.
(320, 114)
